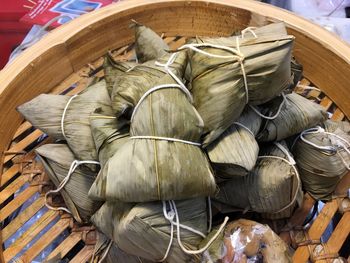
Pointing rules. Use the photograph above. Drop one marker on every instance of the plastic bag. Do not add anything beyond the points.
(246, 241)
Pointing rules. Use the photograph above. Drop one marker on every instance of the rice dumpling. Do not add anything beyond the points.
(129, 87)
(72, 114)
(162, 159)
(45, 113)
(106, 251)
(148, 45)
(247, 241)
(296, 115)
(273, 187)
(108, 133)
(235, 152)
(57, 160)
(113, 69)
(323, 158)
(236, 71)
(144, 231)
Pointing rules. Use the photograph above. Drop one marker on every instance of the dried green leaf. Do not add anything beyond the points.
(57, 159)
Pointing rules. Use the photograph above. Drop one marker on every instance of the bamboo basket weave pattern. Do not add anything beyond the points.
(24, 183)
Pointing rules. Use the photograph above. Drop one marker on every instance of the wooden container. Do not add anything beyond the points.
(69, 56)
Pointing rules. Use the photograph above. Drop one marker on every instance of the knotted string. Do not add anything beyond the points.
(340, 143)
(173, 213)
(62, 184)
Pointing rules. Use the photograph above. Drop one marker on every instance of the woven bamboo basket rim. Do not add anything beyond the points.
(68, 49)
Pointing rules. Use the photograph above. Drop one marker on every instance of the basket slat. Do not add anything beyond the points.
(338, 115)
(24, 127)
(316, 230)
(17, 202)
(13, 187)
(9, 174)
(338, 236)
(31, 233)
(45, 240)
(326, 102)
(66, 245)
(20, 146)
(84, 255)
(22, 218)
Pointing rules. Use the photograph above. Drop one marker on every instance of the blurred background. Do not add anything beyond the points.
(24, 22)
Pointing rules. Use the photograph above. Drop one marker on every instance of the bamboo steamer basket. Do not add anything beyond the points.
(71, 56)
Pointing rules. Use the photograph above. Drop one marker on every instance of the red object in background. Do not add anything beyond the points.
(12, 31)
(45, 10)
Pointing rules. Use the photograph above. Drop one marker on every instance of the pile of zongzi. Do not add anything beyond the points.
(158, 147)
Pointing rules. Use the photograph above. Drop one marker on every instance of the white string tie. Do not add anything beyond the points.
(277, 113)
(250, 30)
(340, 143)
(199, 251)
(170, 215)
(62, 184)
(286, 152)
(64, 115)
(316, 130)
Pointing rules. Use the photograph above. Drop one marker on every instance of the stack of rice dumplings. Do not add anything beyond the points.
(141, 144)
(251, 68)
(148, 167)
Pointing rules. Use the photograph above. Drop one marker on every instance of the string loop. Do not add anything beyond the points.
(339, 143)
(173, 213)
(284, 101)
(62, 184)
